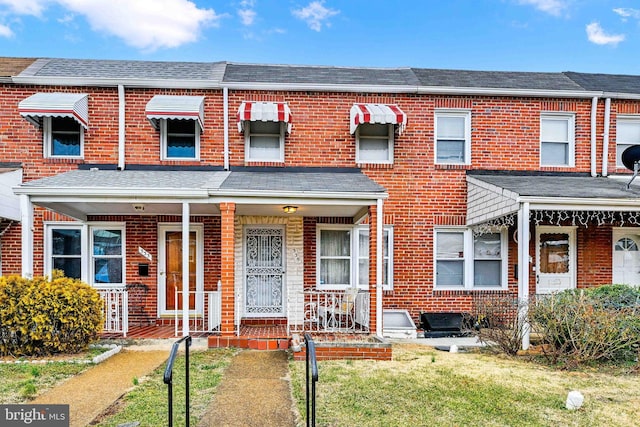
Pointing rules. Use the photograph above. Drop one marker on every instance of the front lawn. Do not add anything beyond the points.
(422, 386)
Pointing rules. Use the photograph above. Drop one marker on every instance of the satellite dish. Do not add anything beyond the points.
(631, 160)
(630, 156)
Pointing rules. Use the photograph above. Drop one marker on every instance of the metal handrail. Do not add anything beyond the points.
(311, 362)
(168, 377)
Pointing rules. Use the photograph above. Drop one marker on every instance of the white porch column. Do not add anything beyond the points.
(26, 217)
(523, 272)
(185, 269)
(379, 265)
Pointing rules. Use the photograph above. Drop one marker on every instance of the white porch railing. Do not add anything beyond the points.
(116, 310)
(335, 311)
(207, 316)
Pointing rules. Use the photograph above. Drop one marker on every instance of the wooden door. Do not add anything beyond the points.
(173, 262)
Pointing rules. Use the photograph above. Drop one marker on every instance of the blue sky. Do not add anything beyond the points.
(507, 35)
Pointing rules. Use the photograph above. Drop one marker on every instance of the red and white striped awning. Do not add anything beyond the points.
(377, 114)
(39, 105)
(259, 111)
(177, 107)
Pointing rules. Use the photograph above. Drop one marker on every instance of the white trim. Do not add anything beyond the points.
(390, 144)
(571, 136)
(121, 226)
(468, 260)
(47, 140)
(247, 143)
(163, 227)
(466, 115)
(164, 155)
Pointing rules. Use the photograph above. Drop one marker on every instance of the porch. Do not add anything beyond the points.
(317, 312)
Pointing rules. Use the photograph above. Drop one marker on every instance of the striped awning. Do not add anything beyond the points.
(259, 111)
(39, 105)
(377, 114)
(178, 107)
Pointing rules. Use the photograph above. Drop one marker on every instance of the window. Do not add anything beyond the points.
(63, 137)
(180, 139)
(343, 257)
(453, 137)
(374, 143)
(66, 251)
(106, 255)
(264, 141)
(93, 253)
(464, 261)
(627, 134)
(557, 139)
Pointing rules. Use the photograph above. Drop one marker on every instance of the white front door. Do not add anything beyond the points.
(556, 259)
(264, 264)
(170, 268)
(626, 256)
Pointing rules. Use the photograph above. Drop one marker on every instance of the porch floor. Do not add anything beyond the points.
(264, 337)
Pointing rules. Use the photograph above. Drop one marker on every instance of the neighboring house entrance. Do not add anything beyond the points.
(264, 271)
(170, 268)
(556, 259)
(626, 256)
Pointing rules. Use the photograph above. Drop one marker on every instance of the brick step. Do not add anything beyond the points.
(253, 343)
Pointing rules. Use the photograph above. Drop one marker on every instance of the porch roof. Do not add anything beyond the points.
(493, 194)
(318, 191)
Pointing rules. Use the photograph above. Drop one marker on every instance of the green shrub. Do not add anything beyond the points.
(45, 316)
(591, 325)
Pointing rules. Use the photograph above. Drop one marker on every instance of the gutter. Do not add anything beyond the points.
(605, 136)
(594, 111)
(121, 127)
(225, 117)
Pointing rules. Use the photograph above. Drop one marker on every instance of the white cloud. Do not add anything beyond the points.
(552, 7)
(596, 35)
(247, 16)
(26, 7)
(144, 24)
(5, 31)
(627, 12)
(315, 14)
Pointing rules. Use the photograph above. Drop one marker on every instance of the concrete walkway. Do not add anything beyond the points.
(93, 391)
(254, 392)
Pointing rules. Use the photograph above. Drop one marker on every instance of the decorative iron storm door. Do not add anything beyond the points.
(264, 271)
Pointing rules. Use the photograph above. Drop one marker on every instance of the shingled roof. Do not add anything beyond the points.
(212, 74)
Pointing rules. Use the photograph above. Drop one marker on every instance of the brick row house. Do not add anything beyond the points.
(317, 198)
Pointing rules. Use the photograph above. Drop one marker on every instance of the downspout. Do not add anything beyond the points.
(225, 109)
(121, 125)
(185, 267)
(594, 111)
(605, 136)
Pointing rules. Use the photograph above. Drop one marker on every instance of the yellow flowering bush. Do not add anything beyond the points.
(43, 316)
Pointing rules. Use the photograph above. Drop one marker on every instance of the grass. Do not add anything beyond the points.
(424, 387)
(20, 382)
(147, 402)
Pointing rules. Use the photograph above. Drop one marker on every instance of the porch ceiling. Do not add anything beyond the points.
(491, 195)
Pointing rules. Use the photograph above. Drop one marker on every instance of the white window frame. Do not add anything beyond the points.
(468, 260)
(466, 115)
(354, 256)
(92, 257)
(164, 154)
(47, 135)
(247, 143)
(86, 263)
(390, 144)
(630, 119)
(571, 137)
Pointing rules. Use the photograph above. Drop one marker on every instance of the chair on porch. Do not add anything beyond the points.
(340, 307)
